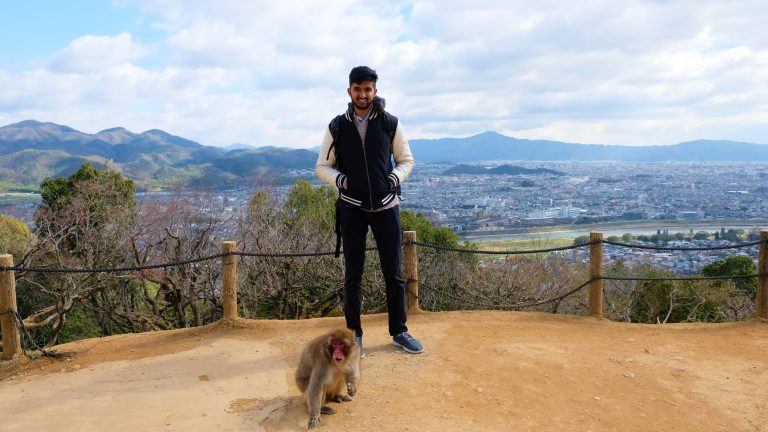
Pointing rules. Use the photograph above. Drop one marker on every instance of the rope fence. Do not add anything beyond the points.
(437, 247)
(508, 306)
(27, 342)
(13, 330)
(25, 269)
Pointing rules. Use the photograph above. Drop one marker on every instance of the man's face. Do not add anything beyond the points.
(362, 94)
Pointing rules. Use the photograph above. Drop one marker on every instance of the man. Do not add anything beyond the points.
(356, 157)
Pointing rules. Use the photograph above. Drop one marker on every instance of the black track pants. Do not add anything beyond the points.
(386, 229)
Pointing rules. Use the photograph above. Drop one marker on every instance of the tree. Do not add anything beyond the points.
(581, 240)
(83, 221)
(427, 232)
(733, 235)
(315, 205)
(293, 287)
(15, 236)
(701, 235)
(667, 301)
(735, 266)
(183, 227)
(100, 191)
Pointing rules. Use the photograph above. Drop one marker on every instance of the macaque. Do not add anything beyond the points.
(329, 369)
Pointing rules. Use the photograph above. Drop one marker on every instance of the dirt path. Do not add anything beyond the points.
(482, 371)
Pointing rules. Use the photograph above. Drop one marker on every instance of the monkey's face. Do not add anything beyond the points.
(338, 350)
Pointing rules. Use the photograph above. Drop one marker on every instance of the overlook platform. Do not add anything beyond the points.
(481, 371)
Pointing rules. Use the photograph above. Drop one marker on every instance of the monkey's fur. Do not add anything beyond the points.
(329, 369)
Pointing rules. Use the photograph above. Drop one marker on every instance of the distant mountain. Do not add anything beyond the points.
(116, 135)
(32, 150)
(489, 146)
(499, 170)
(238, 146)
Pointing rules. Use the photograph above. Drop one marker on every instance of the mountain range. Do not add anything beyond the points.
(31, 151)
(492, 146)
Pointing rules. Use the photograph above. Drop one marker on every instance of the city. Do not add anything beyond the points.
(611, 197)
(603, 196)
(589, 192)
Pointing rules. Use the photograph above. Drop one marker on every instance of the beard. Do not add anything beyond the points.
(361, 105)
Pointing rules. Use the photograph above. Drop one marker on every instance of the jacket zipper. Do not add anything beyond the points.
(367, 175)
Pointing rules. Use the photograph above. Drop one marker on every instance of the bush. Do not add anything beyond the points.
(14, 237)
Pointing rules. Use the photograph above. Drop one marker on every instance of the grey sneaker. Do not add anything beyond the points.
(408, 343)
(359, 340)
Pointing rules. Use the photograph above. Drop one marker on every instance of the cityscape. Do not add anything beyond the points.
(569, 200)
(589, 192)
(602, 196)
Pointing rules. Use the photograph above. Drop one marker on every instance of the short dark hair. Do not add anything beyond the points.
(362, 73)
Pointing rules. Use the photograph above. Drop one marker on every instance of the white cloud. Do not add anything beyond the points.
(598, 71)
(94, 53)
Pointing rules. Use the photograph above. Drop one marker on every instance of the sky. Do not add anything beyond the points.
(275, 73)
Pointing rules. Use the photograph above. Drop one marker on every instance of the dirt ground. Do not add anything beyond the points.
(481, 371)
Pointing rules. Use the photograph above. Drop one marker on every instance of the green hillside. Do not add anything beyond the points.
(30, 151)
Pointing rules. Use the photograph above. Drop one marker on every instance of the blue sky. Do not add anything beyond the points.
(35, 29)
(274, 73)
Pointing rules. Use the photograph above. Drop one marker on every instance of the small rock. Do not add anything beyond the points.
(229, 410)
(597, 397)
(630, 375)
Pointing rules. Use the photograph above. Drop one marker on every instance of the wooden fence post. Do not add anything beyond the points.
(229, 275)
(596, 273)
(8, 325)
(411, 270)
(761, 301)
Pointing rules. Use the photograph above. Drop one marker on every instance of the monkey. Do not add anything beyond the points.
(329, 370)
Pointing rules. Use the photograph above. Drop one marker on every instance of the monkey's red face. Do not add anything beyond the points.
(339, 349)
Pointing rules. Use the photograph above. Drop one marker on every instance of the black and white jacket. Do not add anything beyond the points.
(364, 173)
